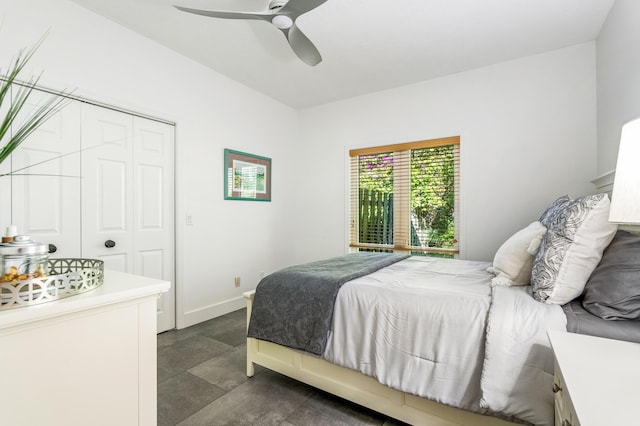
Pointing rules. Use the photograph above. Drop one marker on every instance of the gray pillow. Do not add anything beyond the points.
(613, 290)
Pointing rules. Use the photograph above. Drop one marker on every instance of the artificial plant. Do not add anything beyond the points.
(14, 94)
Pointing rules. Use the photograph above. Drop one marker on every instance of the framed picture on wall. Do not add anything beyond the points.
(246, 176)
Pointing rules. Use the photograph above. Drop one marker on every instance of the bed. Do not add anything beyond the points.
(440, 341)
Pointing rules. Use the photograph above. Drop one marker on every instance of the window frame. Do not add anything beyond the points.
(402, 204)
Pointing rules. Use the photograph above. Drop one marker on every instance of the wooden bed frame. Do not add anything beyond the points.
(356, 387)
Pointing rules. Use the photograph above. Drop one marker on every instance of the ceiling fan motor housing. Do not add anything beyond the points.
(277, 4)
(282, 22)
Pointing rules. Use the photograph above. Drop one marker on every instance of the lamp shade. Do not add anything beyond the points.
(625, 199)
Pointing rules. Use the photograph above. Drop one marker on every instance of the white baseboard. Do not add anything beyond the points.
(212, 311)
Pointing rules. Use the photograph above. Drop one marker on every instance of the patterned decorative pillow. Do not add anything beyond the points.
(578, 231)
(514, 259)
(554, 209)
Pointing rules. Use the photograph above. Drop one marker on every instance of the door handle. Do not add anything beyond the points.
(109, 243)
(52, 248)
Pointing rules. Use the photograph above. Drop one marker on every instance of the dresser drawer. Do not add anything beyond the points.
(564, 412)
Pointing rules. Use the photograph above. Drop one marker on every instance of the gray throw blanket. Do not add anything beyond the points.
(294, 306)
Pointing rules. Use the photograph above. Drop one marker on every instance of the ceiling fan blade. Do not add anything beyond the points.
(298, 7)
(263, 16)
(303, 47)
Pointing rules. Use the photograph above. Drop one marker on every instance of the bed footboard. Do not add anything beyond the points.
(356, 387)
(250, 368)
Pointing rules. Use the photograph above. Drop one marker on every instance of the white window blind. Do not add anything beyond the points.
(405, 197)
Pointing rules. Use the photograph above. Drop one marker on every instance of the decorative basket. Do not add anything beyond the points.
(67, 277)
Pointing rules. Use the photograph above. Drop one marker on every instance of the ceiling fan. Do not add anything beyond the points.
(283, 15)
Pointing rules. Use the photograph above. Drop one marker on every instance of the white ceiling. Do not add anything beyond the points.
(367, 45)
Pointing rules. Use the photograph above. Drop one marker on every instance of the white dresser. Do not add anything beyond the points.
(597, 381)
(89, 359)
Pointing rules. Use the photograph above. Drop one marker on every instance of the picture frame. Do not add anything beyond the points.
(247, 177)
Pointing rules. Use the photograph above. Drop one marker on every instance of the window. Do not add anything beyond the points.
(404, 197)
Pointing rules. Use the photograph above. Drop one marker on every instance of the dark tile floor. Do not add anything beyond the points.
(202, 381)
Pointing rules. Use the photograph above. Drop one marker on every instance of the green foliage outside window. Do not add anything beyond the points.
(376, 172)
(432, 194)
(375, 199)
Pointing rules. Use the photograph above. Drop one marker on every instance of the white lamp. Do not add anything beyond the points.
(625, 199)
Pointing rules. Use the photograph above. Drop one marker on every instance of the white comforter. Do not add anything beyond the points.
(420, 326)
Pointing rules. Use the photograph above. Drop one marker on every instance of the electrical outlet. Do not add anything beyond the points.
(189, 219)
(236, 281)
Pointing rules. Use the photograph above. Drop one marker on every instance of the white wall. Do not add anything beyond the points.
(618, 51)
(108, 63)
(527, 132)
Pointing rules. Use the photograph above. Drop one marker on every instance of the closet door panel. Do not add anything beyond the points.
(151, 262)
(153, 207)
(151, 198)
(117, 261)
(107, 194)
(111, 192)
(45, 181)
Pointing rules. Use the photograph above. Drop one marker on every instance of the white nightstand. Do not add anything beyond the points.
(597, 381)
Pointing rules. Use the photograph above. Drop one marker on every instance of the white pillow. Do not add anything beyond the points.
(578, 232)
(514, 259)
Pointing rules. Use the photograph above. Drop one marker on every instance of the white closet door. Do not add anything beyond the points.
(45, 201)
(128, 197)
(107, 187)
(153, 204)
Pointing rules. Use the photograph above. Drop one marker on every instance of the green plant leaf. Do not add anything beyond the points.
(17, 101)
